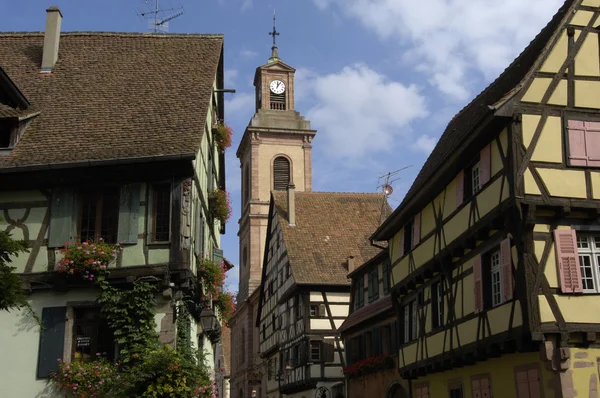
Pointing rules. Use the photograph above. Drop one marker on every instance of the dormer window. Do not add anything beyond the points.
(7, 134)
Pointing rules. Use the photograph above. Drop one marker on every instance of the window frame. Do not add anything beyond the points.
(153, 208)
(438, 306)
(410, 325)
(359, 294)
(583, 118)
(373, 284)
(314, 307)
(469, 190)
(456, 386)
(593, 253)
(97, 196)
(495, 266)
(386, 276)
(318, 345)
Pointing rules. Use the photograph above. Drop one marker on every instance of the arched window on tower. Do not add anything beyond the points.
(281, 173)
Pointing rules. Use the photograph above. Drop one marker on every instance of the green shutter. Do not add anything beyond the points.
(52, 340)
(376, 342)
(328, 351)
(129, 209)
(62, 217)
(218, 256)
(199, 230)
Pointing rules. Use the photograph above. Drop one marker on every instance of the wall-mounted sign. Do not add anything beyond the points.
(83, 341)
(322, 392)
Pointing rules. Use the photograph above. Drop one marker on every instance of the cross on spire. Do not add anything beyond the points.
(274, 33)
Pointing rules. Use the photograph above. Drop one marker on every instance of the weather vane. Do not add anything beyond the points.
(274, 33)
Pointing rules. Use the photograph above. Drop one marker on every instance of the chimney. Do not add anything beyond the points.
(291, 197)
(51, 38)
(351, 264)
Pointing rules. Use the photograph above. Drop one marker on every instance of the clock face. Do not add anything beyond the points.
(277, 87)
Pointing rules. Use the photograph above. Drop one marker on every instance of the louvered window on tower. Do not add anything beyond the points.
(281, 173)
(278, 101)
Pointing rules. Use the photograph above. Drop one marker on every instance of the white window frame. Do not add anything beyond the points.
(411, 319)
(475, 178)
(591, 252)
(414, 319)
(407, 322)
(496, 271)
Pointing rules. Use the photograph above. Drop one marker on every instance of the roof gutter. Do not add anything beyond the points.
(382, 233)
(92, 163)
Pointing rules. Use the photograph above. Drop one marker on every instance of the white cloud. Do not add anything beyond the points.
(240, 102)
(358, 112)
(229, 76)
(248, 53)
(425, 144)
(451, 39)
(247, 4)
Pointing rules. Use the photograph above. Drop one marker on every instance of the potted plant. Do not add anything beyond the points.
(222, 135)
(219, 205)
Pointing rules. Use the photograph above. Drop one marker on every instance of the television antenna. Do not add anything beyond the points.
(385, 183)
(158, 18)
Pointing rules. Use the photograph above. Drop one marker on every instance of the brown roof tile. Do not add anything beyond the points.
(330, 227)
(112, 95)
(463, 124)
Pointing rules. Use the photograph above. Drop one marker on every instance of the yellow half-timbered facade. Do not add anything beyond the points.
(495, 249)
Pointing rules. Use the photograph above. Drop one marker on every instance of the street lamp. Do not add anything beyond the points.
(208, 320)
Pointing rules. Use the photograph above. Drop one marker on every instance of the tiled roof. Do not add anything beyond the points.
(329, 228)
(112, 95)
(463, 124)
(226, 344)
(367, 312)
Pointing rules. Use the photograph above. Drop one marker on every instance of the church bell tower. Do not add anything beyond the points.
(274, 152)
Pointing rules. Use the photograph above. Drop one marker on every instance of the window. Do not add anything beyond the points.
(472, 179)
(387, 268)
(359, 292)
(243, 344)
(99, 216)
(529, 384)
(475, 183)
(408, 237)
(422, 390)
(281, 173)
(588, 249)
(410, 320)
(373, 284)
(481, 386)
(315, 351)
(5, 135)
(246, 185)
(161, 212)
(91, 334)
(386, 340)
(271, 288)
(496, 278)
(583, 143)
(314, 310)
(455, 390)
(245, 256)
(438, 304)
(287, 270)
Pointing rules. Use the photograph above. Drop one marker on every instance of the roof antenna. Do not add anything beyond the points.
(158, 19)
(387, 190)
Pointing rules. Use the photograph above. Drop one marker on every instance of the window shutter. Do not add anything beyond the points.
(477, 284)
(217, 256)
(52, 340)
(533, 379)
(322, 309)
(376, 341)
(592, 143)
(197, 228)
(417, 229)
(62, 221)
(506, 264)
(129, 208)
(486, 388)
(460, 187)
(485, 165)
(568, 261)
(281, 173)
(476, 388)
(303, 351)
(401, 243)
(577, 152)
(328, 351)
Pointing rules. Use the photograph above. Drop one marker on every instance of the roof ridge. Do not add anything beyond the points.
(124, 34)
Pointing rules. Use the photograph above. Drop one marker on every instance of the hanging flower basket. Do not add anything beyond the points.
(87, 260)
(225, 302)
(219, 205)
(213, 276)
(369, 365)
(222, 135)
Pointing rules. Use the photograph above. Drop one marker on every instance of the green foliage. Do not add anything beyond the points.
(219, 205)
(87, 379)
(225, 302)
(165, 372)
(88, 259)
(213, 275)
(222, 136)
(184, 333)
(130, 315)
(11, 293)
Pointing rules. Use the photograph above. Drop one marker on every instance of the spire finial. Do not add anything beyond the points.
(274, 33)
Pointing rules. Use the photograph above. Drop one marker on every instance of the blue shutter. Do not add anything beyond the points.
(376, 342)
(52, 340)
(199, 230)
(129, 208)
(62, 218)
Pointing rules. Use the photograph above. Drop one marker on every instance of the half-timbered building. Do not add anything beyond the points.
(305, 291)
(494, 247)
(105, 136)
(370, 333)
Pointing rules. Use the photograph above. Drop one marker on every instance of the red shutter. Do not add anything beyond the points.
(522, 385)
(417, 229)
(592, 143)
(476, 389)
(486, 388)
(460, 187)
(568, 261)
(506, 264)
(577, 152)
(477, 284)
(401, 244)
(485, 165)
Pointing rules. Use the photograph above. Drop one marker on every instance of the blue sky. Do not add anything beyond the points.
(379, 79)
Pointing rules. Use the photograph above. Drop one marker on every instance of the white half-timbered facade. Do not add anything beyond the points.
(305, 293)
